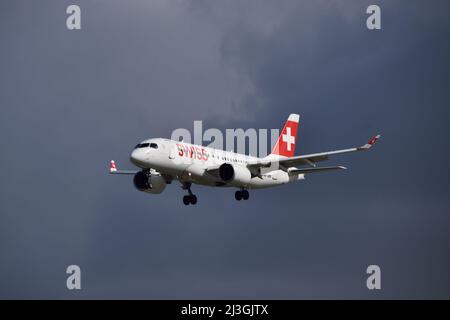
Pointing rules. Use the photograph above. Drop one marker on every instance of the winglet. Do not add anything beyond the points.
(370, 143)
(112, 167)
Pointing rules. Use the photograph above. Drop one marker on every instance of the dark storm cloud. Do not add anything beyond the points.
(71, 100)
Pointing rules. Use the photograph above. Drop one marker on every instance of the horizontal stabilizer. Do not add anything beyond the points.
(311, 170)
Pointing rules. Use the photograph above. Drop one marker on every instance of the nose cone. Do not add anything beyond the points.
(137, 157)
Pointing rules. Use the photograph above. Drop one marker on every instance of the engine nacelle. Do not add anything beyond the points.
(235, 175)
(151, 183)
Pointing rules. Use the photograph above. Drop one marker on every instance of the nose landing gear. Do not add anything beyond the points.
(190, 198)
(241, 195)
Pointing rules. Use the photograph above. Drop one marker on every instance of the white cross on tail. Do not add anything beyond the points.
(288, 138)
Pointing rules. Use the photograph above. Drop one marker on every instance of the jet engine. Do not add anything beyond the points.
(149, 182)
(234, 174)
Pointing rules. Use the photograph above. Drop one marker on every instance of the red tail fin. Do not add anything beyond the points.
(285, 145)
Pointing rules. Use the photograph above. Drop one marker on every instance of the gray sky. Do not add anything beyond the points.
(72, 100)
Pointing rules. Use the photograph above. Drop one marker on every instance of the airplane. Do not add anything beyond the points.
(163, 160)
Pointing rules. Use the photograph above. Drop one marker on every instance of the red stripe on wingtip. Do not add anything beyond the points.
(373, 140)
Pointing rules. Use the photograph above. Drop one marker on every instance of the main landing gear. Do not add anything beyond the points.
(190, 198)
(241, 195)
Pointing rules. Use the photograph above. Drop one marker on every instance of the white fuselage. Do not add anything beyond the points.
(190, 163)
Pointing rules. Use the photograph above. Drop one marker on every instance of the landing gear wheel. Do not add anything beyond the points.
(189, 198)
(245, 194)
(238, 195)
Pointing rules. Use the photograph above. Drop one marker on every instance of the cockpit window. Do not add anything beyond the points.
(142, 145)
(153, 145)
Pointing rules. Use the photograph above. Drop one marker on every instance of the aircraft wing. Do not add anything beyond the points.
(308, 159)
(113, 169)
